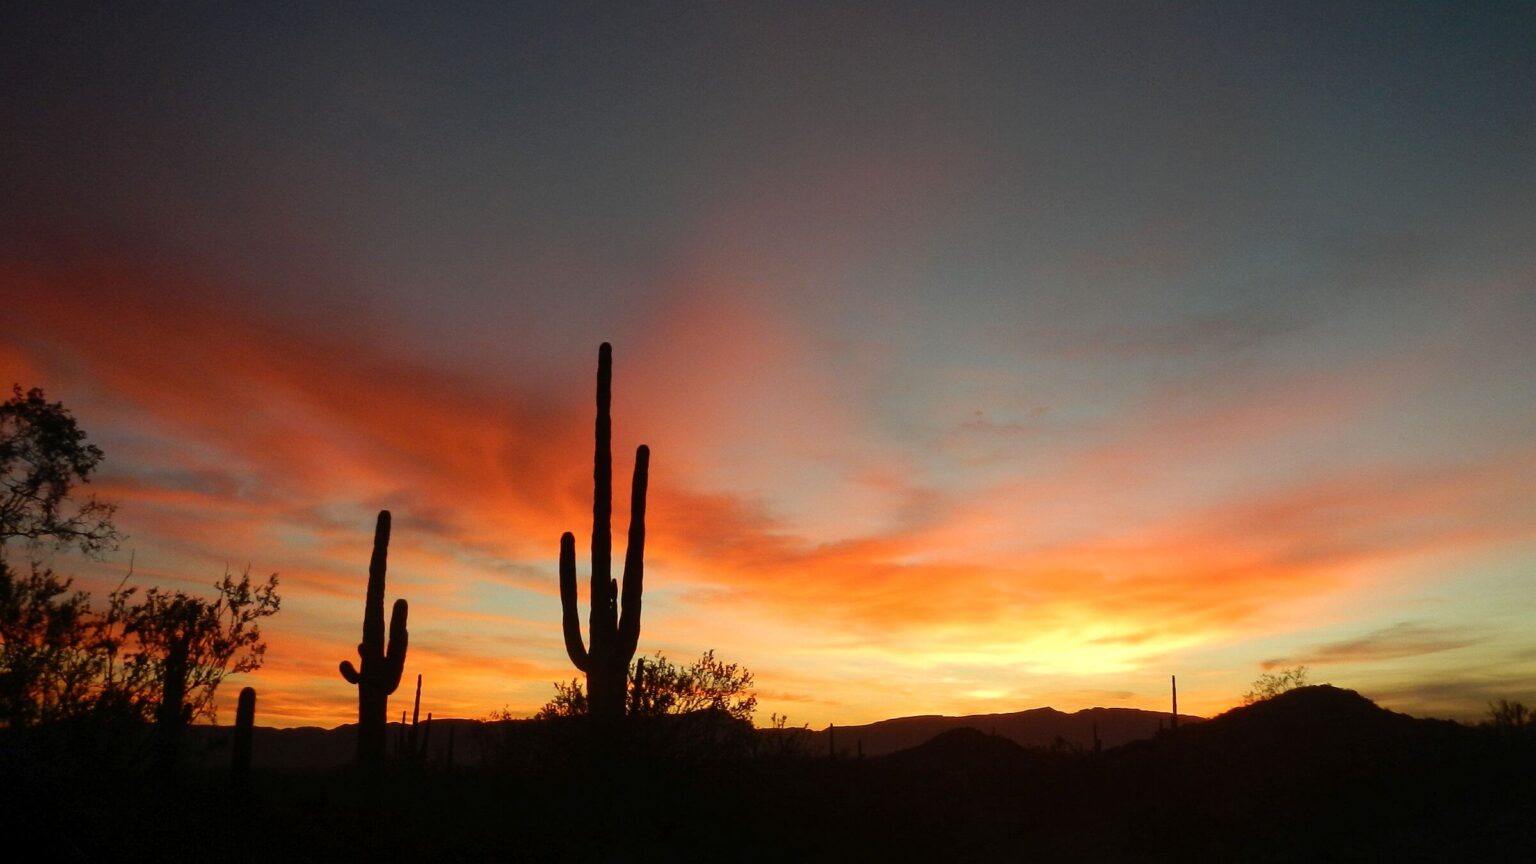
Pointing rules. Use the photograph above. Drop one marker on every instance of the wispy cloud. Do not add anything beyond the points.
(1405, 639)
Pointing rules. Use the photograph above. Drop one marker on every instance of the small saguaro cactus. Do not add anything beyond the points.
(410, 737)
(381, 667)
(613, 634)
(245, 721)
(1173, 721)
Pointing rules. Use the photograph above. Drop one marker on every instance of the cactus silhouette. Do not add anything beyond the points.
(240, 751)
(614, 634)
(410, 736)
(381, 668)
(409, 748)
(173, 714)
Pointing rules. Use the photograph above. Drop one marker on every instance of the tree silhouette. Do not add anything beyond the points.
(168, 652)
(50, 662)
(43, 454)
(172, 649)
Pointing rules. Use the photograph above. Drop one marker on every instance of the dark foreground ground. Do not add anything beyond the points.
(1316, 775)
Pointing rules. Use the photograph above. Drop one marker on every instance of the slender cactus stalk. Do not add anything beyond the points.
(240, 750)
(410, 747)
(614, 633)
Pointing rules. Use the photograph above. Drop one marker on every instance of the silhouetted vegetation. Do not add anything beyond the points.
(1507, 716)
(160, 656)
(240, 747)
(154, 657)
(1272, 684)
(381, 666)
(659, 687)
(173, 649)
(51, 658)
(85, 689)
(614, 633)
(415, 740)
(43, 454)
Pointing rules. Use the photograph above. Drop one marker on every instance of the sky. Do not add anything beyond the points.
(990, 356)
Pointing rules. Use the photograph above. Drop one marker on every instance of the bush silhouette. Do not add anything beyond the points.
(658, 687)
(1272, 684)
(1510, 716)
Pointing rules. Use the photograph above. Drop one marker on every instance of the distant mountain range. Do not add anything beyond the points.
(311, 747)
(1037, 727)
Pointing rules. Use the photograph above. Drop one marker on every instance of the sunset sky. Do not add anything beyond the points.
(990, 357)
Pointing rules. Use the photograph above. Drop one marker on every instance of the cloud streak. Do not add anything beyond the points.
(1405, 639)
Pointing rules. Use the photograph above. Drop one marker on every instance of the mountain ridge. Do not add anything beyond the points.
(1030, 727)
(310, 747)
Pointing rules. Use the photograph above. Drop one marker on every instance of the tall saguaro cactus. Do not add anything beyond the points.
(381, 668)
(614, 633)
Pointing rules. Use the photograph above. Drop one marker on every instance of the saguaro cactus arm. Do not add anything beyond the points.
(378, 565)
(570, 615)
(394, 659)
(399, 639)
(634, 556)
